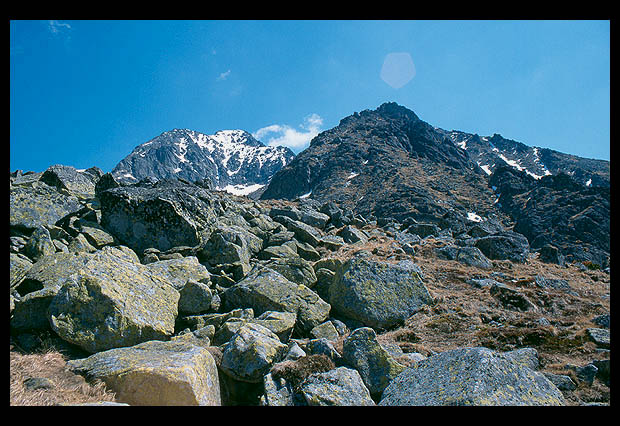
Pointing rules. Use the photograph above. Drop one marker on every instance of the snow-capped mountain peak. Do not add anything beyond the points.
(232, 160)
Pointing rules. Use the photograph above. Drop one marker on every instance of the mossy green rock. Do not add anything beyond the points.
(114, 303)
(471, 376)
(378, 294)
(156, 373)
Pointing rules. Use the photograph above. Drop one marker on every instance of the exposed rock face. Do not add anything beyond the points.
(340, 387)
(557, 211)
(471, 376)
(156, 373)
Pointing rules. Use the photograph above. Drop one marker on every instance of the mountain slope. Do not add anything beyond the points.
(490, 152)
(232, 160)
(388, 162)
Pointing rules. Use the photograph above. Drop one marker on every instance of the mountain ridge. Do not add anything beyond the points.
(231, 160)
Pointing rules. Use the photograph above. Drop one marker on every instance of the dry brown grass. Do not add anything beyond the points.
(68, 388)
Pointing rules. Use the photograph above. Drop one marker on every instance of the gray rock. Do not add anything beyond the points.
(297, 270)
(527, 357)
(195, 297)
(19, 266)
(156, 373)
(377, 368)
(563, 383)
(39, 244)
(471, 376)
(303, 232)
(38, 205)
(602, 320)
(164, 215)
(600, 336)
(113, 303)
(277, 392)
(267, 290)
(338, 387)
(177, 272)
(352, 235)
(69, 180)
(379, 294)
(507, 245)
(251, 352)
(325, 330)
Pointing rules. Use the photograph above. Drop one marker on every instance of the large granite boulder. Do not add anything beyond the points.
(69, 180)
(177, 272)
(341, 386)
(112, 303)
(39, 204)
(251, 352)
(156, 373)
(362, 351)
(267, 290)
(162, 215)
(471, 376)
(507, 245)
(378, 294)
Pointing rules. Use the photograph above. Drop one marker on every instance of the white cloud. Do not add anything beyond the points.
(223, 76)
(285, 135)
(57, 27)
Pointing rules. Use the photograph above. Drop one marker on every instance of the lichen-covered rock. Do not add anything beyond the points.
(156, 373)
(39, 244)
(52, 271)
(303, 232)
(164, 215)
(19, 266)
(195, 297)
(251, 352)
(177, 272)
(296, 269)
(280, 323)
(267, 290)
(71, 181)
(341, 387)
(377, 368)
(471, 376)
(39, 204)
(30, 312)
(378, 294)
(112, 303)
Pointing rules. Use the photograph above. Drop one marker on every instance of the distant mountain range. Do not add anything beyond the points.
(388, 163)
(230, 160)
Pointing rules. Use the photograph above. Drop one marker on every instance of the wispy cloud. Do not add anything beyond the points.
(223, 76)
(285, 135)
(57, 27)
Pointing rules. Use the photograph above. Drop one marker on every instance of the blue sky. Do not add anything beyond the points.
(85, 93)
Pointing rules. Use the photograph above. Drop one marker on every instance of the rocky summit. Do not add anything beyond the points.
(232, 160)
(383, 266)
